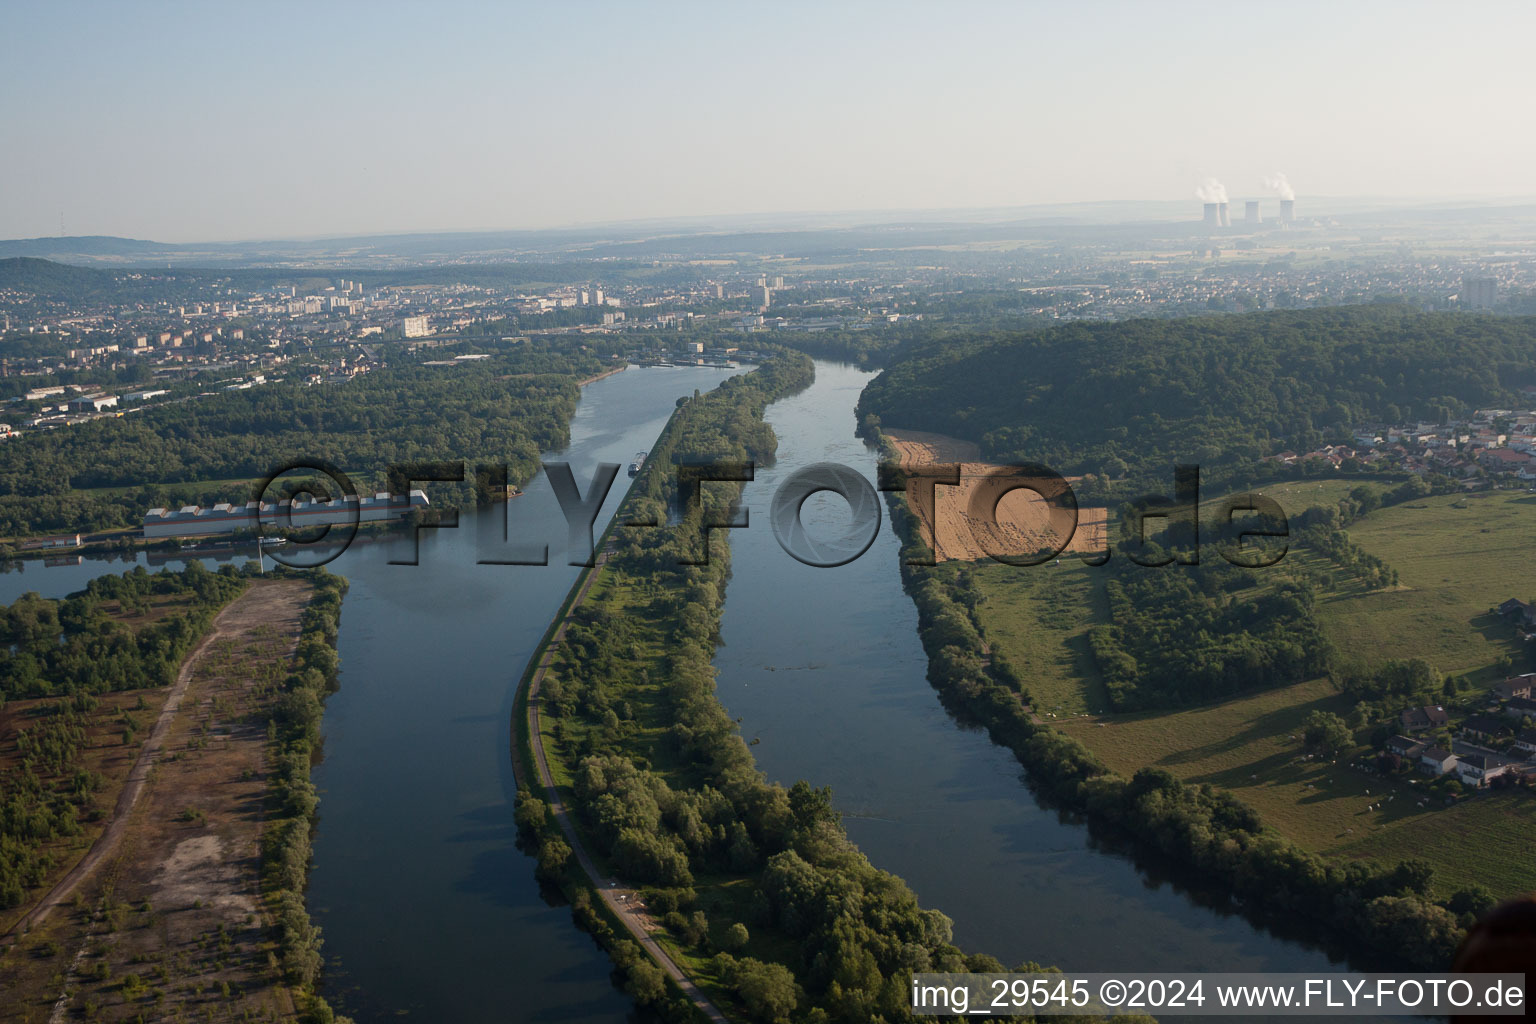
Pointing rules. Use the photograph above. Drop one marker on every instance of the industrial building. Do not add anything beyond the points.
(192, 521)
(1479, 292)
(92, 403)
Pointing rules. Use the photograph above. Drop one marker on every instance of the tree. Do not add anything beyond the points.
(768, 990)
(646, 982)
(553, 857)
(1326, 733)
(736, 938)
(1474, 900)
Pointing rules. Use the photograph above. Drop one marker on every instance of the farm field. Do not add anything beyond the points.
(1457, 556)
(1251, 746)
(1024, 522)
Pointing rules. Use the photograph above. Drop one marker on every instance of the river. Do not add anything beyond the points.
(430, 912)
(827, 674)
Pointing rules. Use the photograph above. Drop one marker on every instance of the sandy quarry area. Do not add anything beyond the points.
(1025, 522)
(170, 895)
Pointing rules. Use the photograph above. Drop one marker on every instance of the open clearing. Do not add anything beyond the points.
(173, 915)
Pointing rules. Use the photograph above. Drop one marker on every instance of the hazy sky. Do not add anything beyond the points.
(228, 121)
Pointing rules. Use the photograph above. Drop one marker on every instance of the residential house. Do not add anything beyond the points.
(1480, 769)
(1406, 746)
(1437, 760)
(1419, 719)
(1515, 608)
(1518, 612)
(1520, 707)
(1485, 727)
(1525, 741)
(1515, 686)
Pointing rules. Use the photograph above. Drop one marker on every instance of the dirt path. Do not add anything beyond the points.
(632, 920)
(107, 842)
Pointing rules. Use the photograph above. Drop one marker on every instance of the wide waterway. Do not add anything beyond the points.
(826, 672)
(430, 912)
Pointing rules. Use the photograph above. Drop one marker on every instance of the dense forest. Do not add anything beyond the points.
(668, 791)
(108, 472)
(1203, 632)
(1134, 397)
(80, 644)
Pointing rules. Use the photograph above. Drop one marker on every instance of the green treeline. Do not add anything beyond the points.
(1132, 398)
(293, 732)
(1199, 828)
(1183, 636)
(71, 646)
(1198, 633)
(758, 884)
(505, 409)
(1123, 402)
(73, 651)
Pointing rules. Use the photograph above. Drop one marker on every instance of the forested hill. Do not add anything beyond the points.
(1222, 391)
(54, 280)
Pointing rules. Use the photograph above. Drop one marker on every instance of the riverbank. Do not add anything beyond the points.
(1384, 913)
(171, 908)
(600, 376)
(621, 906)
(730, 875)
(595, 894)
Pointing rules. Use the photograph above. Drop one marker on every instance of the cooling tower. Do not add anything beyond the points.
(1224, 214)
(1287, 211)
(1251, 212)
(1212, 216)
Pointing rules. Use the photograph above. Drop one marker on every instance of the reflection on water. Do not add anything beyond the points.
(427, 907)
(826, 671)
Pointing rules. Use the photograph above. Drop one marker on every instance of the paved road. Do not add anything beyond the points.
(623, 911)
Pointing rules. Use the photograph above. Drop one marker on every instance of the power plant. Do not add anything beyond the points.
(1218, 212)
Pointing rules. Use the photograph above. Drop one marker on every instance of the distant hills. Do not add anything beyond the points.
(843, 237)
(51, 280)
(82, 246)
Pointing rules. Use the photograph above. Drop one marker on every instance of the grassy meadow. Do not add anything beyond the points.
(1457, 556)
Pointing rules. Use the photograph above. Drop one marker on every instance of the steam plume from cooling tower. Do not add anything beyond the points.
(1212, 191)
(1277, 184)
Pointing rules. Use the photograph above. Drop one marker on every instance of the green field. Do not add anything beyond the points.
(1039, 616)
(1296, 496)
(1252, 747)
(1457, 556)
